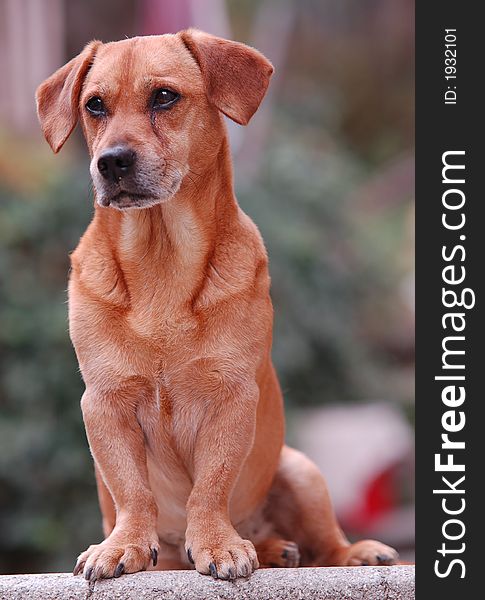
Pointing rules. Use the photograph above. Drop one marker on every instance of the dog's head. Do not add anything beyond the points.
(150, 109)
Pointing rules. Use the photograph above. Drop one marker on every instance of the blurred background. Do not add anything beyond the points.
(326, 171)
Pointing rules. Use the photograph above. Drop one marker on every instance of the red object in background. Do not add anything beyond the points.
(379, 498)
(164, 16)
(365, 452)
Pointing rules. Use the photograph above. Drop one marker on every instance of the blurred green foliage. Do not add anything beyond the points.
(48, 505)
(328, 269)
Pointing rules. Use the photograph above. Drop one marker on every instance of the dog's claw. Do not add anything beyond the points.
(154, 554)
(213, 570)
(385, 559)
(120, 569)
(78, 568)
(189, 556)
(89, 572)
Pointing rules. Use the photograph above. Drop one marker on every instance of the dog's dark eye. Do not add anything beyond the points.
(96, 106)
(164, 98)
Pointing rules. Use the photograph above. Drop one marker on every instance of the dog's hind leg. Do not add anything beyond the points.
(108, 511)
(106, 503)
(300, 510)
(276, 552)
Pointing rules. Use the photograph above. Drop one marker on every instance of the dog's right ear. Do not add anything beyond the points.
(58, 97)
(236, 76)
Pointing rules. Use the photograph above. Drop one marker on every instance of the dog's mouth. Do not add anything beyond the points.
(125, 199)
(121, 197)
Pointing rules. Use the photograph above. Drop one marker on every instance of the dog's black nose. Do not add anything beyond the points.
(116, 163)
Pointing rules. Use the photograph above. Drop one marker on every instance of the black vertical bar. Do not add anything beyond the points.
(449, 118)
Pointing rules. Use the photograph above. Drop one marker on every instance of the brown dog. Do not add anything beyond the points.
(171, 319)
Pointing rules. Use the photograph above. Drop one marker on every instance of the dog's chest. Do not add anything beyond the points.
(159, 307)
(159, 321)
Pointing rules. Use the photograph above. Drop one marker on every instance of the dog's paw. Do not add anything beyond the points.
(278, 553)
(118, 554)
(368, 553)
(223, 558)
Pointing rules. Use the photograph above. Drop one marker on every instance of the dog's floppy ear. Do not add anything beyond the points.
(236, 76)
(58, 97)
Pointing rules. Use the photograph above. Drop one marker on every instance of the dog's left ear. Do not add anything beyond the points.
(58, 97)
(236, 76)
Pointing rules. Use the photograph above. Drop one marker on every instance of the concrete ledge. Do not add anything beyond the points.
(331, 583)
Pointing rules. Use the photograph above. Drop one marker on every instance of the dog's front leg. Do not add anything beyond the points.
(223, 442)
(117, 444)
